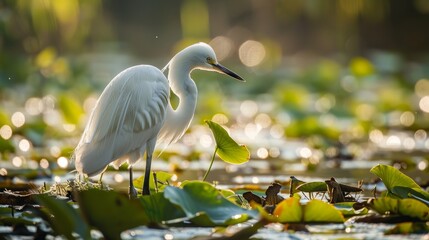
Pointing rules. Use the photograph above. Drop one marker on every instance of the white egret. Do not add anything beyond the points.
(134, 112)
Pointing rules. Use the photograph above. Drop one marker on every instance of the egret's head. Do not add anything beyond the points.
(203, 57)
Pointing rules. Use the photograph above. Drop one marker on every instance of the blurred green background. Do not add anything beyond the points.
(347, 78)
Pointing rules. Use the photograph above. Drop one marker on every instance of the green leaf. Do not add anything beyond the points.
(416, 193)
(404, 207)
(111, 212)
(289, 211)
(312, 187)
(292, 211)
(227, 149)
(392, 177)
(161, 177)
(63, 218)
(159, 209)
(385, 205)
(413, 208)
(205, 205)
(320, 211)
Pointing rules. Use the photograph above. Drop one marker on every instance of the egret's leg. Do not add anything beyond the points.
(132, 191)
(101, 178)
(146, 190)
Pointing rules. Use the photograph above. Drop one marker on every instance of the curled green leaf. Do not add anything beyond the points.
(227, 149)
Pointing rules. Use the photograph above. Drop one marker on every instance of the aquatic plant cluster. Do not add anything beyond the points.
(81, 214)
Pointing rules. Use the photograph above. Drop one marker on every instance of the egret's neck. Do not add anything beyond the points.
(177, 121)
(183, 86)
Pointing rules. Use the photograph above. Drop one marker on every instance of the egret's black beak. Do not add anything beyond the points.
(222, 69)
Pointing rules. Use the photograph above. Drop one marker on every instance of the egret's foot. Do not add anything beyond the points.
(132, 192)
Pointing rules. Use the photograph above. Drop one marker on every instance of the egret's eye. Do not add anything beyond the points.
(210, 60)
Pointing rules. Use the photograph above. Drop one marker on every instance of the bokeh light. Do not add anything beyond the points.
(422, 165)
(393, 142)
(206, 141)
(118, 178)
(255, 180)
(422, 88)
(3, 172)
(220, 118)
(6, 132)
(262, 153)
(420, 135)
(274, 152)
(409, 143)
(251, 53)
(34, 106)
(52, 117)
(263, 120)
(376, 136)
(324, 103)
(18, 119)
(304, 152)
(44, 163)
(277, 131)
(249, 108)
(69, 127)
(424, 104)
(222, 46)
(62, 162)
(24, 145)
(57, 179)
(251, 130)
(55, 151)
(407, 119)
(17, 161)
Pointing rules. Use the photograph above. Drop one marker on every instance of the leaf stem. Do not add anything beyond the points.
(211, 163)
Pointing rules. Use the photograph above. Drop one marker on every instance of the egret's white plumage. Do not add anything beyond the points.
(128, 115)
(133, 112)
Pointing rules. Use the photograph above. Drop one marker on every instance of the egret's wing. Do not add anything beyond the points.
(130, 111)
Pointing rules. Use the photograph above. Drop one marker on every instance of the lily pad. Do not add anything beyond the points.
(227, 149)
(63, 218)
(291, 211)
(312, 187)
(406, 192)
(111, 212)
(205, 205)
(392, 177)
(159, 210)
(320, 211)
(405, 207)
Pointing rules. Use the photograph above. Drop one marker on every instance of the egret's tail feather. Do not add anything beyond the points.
(87, 160)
